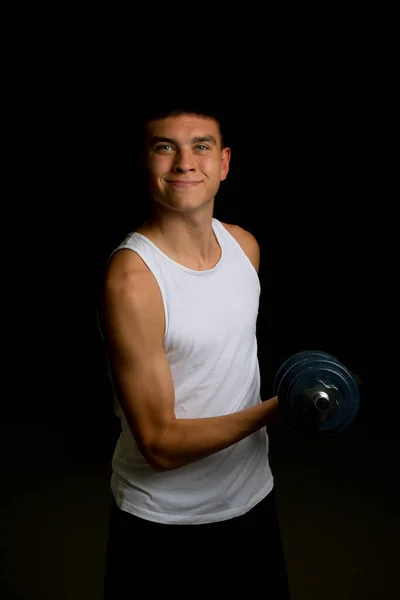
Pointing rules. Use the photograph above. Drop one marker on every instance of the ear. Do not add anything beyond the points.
(225, 160)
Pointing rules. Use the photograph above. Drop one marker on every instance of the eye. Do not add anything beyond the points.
(163, 148)
(201, 147)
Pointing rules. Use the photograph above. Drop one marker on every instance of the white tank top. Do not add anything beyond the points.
(210, 342)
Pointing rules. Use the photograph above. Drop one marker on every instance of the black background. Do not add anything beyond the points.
(310, 167)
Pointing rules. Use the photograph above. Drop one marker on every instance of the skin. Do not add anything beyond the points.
(185, 164)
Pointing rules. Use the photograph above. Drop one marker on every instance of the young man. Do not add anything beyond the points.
(179, 312)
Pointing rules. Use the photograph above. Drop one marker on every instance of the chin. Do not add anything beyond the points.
(183, 204)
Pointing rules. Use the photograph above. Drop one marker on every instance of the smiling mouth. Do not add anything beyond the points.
(182, 183)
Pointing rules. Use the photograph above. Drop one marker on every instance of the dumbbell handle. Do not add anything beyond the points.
(320, 401)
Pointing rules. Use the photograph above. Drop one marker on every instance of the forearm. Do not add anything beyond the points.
(187, 440)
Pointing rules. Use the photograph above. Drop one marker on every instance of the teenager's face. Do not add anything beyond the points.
(185, 161)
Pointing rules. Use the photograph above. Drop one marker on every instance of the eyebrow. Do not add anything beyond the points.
(196, 140)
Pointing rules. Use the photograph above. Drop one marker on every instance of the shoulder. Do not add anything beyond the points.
(130, 313)
(128, 281)
(247, 241)
(124, 268)
(130, 301)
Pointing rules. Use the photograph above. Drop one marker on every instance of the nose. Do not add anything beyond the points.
(184, 161)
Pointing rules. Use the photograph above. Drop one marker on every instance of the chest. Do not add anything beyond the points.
(209, 313)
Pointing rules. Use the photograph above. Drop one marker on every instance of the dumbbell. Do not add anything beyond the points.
(317, 395)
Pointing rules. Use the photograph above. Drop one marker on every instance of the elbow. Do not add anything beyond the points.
(160, 464)
(159, 458)
(155, 446)
(159, 461)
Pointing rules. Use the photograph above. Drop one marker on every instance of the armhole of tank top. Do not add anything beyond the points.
(239, 247)
(160, 286)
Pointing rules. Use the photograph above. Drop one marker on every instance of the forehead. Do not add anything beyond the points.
(183, 127)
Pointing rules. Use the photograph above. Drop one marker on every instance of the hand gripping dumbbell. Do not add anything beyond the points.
(317, 394)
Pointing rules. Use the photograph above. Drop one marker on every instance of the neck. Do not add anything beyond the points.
(185, 237)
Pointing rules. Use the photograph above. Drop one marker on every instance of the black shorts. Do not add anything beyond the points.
(239, 555)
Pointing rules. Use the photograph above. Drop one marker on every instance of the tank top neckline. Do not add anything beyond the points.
(179, 265)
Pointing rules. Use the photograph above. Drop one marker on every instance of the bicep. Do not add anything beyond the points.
(146, 394)
(133, 331)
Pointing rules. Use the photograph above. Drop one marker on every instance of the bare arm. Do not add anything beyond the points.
(133, 323)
